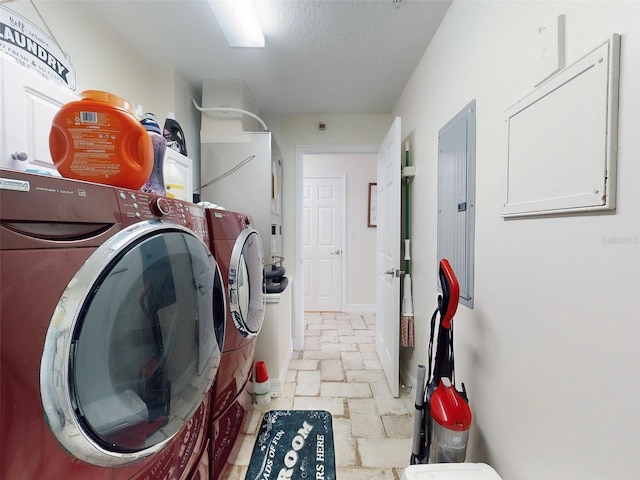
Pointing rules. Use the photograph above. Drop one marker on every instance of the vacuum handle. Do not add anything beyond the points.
(450, 293)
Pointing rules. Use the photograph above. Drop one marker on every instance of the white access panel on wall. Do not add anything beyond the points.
(457, 198)
(562, 140)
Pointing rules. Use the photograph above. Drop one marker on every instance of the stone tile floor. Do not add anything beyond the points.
(339, 371)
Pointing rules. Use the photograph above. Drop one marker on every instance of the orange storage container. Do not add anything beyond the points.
(99, 139)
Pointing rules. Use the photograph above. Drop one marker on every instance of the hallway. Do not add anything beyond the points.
(339, 371)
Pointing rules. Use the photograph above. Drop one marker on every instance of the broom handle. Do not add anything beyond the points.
(407, 226)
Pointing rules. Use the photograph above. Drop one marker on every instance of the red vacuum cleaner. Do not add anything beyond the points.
(443, 416)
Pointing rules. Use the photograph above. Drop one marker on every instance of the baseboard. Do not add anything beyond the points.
(278, 383)
(276, 387)
(409, 378)
(360, 308)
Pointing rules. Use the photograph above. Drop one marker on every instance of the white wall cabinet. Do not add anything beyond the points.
(243, 173)
(274, 345)
(28, 104)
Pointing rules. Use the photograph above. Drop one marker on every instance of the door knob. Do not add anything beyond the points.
(394, 272)
(337, 252)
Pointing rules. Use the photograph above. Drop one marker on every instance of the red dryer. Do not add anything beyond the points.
(237, 247)
(112, 313)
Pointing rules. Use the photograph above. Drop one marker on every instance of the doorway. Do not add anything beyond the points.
(357, 167)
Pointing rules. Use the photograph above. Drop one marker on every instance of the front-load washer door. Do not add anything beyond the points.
(246, 283)
(134, 344)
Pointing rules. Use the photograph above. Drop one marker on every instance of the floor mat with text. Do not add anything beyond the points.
(294, 444)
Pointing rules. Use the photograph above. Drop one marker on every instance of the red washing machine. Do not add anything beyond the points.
(112, 313)
(237, 248)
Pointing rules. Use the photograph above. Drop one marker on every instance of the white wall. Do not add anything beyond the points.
(359, 169)
(102, 61)
(549, 353)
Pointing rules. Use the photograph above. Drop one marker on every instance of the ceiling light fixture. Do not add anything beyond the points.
(239, 22)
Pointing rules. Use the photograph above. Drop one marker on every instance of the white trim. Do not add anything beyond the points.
(276, 387)
(409, 378)
(360, 308)
(277, 383)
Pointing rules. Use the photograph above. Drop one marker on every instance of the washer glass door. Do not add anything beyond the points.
(134, 344)
(246, 283)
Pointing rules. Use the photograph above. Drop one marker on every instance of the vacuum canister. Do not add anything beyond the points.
(450, 423)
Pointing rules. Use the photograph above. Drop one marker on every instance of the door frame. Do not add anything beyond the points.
(298, 300)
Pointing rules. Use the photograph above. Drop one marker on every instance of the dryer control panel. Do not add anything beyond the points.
(84, 207)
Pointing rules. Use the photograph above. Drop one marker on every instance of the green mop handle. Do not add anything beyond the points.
(407, 239)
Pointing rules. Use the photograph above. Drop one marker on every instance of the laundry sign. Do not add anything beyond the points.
(34, 49)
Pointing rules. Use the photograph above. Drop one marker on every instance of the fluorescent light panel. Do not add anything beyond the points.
(239, 22)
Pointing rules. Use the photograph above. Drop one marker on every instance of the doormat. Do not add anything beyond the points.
(294, 444)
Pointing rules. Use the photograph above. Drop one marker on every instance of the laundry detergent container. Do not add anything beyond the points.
(99, 139)
(450, 471)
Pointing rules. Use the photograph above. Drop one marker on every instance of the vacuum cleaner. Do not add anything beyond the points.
(443, 416)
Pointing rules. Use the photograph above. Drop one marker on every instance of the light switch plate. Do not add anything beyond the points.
(549, 49)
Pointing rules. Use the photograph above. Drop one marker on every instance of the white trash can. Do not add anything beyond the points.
(450, 471)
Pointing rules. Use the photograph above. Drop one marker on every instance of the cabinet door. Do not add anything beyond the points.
(29, 103)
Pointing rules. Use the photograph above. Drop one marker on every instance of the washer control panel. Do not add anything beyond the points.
(136, 206)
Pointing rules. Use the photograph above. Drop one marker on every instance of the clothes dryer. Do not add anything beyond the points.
(237, 247)
(112, 314)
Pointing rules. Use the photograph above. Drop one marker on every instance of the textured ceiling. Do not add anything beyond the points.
(321, 56)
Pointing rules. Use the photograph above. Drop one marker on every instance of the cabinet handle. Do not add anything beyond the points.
(21, 156)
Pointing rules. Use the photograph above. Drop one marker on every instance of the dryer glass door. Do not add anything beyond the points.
(140, 328)
(246, 283)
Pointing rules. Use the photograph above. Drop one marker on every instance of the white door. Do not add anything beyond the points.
(388, 257)
(322, 244)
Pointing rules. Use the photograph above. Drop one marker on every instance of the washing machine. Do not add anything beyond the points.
(237, 247)
(112, 317)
